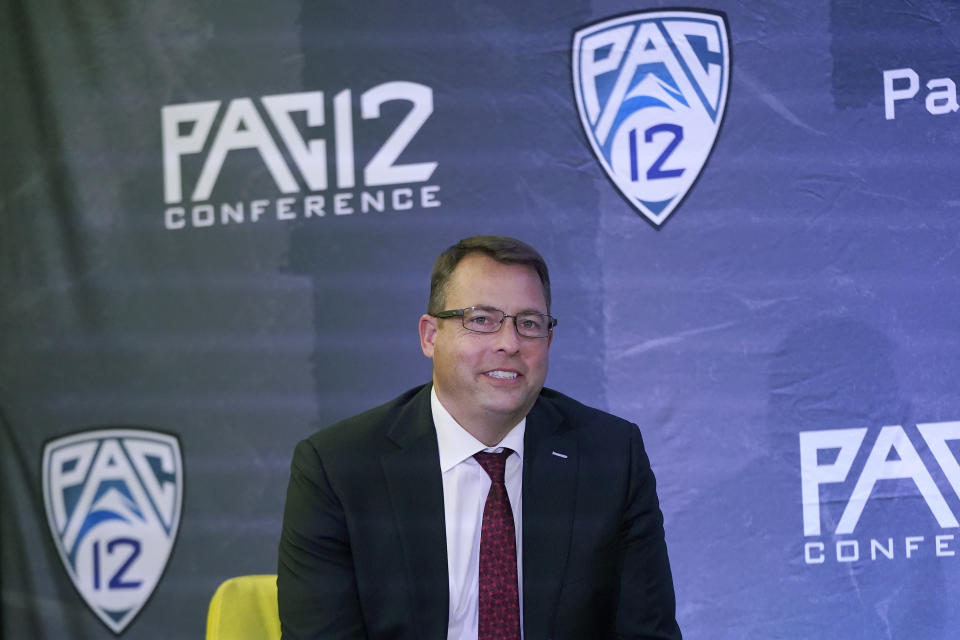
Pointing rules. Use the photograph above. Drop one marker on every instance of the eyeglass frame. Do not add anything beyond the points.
(462, 314)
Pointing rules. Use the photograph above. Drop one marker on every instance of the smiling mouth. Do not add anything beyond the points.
(502, 375)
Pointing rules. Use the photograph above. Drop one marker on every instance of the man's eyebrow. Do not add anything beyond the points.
(487, 307)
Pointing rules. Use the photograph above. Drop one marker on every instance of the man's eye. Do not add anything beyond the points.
(531, 322)
(479, 320)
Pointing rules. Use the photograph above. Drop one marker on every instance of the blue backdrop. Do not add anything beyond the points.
(182, 254)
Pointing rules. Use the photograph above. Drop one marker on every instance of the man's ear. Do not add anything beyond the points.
(428, 334)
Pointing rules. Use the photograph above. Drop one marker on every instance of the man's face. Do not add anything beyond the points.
(487, 379)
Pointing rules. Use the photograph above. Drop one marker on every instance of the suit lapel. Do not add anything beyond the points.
(415, 485)
(550, 466)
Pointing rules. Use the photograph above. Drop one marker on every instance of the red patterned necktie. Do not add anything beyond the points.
(499, 594)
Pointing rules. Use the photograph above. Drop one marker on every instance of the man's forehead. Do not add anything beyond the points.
(478, 263)
(478, 270)
(488, 283)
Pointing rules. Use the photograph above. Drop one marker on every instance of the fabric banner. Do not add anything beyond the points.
(217, 224)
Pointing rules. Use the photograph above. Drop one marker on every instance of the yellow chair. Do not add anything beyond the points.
(245, 608)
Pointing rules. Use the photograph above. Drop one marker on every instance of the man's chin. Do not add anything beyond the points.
(517, 406)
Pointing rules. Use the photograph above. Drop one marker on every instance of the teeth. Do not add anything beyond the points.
(505, 375)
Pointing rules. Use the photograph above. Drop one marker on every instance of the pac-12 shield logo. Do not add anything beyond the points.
(113, 499)
(651, 90)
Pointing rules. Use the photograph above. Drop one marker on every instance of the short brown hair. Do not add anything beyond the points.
(503, 249)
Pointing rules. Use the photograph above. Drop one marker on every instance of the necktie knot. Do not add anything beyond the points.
(495, 464)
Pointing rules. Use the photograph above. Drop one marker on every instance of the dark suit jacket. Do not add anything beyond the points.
(363, 550)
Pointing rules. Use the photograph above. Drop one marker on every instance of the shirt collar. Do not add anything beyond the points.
(456, 444)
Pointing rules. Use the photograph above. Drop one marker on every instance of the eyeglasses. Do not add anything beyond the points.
(529, 324)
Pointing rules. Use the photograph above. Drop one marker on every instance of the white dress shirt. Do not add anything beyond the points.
(465, 488)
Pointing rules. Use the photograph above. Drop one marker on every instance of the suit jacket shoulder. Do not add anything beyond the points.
(399, 420)
(596, 432)
(581, 415)
(362, 552)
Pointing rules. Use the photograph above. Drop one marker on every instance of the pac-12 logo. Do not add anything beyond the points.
(350, 184)
(651, 90)
(113, 499)
(893, 456)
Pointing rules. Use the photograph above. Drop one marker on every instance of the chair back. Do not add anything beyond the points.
(245, 608)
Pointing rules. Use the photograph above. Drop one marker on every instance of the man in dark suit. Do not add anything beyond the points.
(396, 527)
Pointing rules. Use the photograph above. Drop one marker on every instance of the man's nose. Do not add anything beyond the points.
(507, 337)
